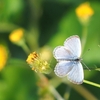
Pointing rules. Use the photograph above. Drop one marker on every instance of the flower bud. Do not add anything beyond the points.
(84, 12)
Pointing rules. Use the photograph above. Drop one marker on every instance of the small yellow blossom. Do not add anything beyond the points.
(16, 35)
(32, 57)
(3, 56)
(38, 64)
(84, 12)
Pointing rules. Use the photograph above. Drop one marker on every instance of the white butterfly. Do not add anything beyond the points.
(68, 57)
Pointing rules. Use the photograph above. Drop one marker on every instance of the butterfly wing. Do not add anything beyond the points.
(76, 74)
(70, 51)
(73, 44)
(63, 68)
(61, 53)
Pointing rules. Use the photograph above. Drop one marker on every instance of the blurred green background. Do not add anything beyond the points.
(47, 23)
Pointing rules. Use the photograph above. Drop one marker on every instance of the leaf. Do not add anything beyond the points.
(20, 81)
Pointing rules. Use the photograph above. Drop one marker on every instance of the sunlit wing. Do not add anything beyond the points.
(61, 53)
(63, 68)
(73, 44)
(76, 74)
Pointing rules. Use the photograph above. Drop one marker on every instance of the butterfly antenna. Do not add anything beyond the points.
(86, 66)
(96, 68)
(85, 52)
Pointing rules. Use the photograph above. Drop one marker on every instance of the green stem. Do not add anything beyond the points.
(51, 87)
(55, 93)
(84, 36)
(81, 90)
(23, 45)
(92, 83)
(97, 69)
(25, 48)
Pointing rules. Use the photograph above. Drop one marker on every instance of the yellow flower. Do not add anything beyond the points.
(32, 57)
(38, 64)
(16, 35)
(3, 56)
(84, 12)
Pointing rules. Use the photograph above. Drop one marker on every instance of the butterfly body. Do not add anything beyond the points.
(77, 59)
(69, 61)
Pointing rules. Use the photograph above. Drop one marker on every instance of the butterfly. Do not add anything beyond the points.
(69, 61)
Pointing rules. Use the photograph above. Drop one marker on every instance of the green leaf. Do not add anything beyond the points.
(19, 81)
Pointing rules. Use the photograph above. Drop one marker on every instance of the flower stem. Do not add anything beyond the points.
(55, 93)
(81, 90)
(84, 36)
(92, 83)
(25, 48)
(51, 87)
